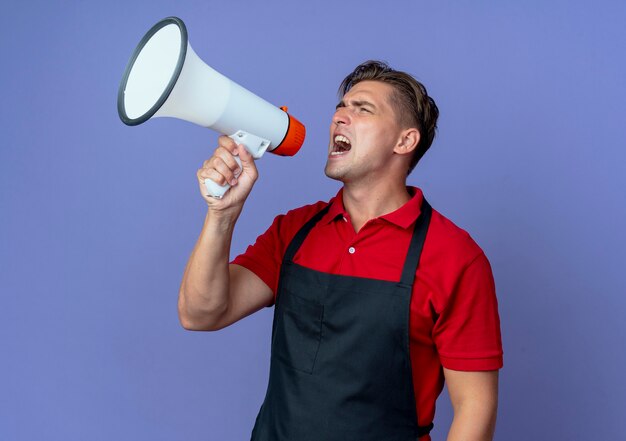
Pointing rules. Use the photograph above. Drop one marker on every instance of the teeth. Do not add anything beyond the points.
(336, 153)
(341, 138)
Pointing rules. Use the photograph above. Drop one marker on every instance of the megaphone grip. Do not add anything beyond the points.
(216, 190)
(255, 145)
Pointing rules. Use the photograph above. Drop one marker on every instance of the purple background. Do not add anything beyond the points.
(98, 219)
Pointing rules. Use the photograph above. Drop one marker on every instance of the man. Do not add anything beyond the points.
(378, 296)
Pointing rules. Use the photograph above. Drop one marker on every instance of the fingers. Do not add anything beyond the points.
(231, 165)
(222, 167)
(238, 150)
(247, 162)
(244, 155)
(216, 176)
(228, 143)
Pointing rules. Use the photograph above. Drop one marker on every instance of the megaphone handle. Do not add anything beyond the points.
(254, 144)
(214, 189)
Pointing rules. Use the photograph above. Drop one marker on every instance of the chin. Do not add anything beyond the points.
(333, 174)
(330, 173)
(337, 175)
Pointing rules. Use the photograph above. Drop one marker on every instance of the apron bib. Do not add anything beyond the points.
(340, 367)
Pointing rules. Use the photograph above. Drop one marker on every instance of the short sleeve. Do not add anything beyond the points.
(264, 257)
(467, 332)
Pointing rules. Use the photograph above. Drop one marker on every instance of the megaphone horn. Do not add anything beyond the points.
(165, 77)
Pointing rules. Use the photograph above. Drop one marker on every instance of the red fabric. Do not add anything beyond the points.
(454, 318)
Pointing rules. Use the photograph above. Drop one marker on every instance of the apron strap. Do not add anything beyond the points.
(424, 430)
(415, 247)
(298, 239)
(417, 244)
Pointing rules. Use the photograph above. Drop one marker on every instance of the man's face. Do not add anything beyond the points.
(363, 133)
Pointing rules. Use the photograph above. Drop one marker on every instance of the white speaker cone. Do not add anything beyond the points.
(152, 71)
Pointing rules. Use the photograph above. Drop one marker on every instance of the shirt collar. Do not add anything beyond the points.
(403, 217)
(336, 209)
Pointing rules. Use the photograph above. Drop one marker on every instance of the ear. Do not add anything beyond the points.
(407, 142)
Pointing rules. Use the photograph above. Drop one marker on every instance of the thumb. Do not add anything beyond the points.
(247, 161)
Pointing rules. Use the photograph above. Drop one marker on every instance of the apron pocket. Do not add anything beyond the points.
(298, 332)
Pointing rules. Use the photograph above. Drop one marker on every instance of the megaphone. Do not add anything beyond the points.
(165, 77)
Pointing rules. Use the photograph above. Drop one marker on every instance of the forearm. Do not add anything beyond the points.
(204, 289)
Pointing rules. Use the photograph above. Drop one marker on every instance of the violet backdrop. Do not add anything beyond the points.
(97, 219)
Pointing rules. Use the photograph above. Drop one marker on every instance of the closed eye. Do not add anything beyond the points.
(362, 106)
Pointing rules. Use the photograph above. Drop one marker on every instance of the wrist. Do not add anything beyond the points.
(221, 221)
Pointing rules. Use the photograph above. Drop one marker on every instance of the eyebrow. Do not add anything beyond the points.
(357, 103)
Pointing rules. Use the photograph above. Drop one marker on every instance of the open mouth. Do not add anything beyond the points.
(341, 145)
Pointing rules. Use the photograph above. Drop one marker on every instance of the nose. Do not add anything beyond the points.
(341, 116)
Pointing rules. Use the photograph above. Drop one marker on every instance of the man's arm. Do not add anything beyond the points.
(474, 397)
(214, 294)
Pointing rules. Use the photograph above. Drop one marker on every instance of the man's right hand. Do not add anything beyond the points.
(222, 168)
(214, 294)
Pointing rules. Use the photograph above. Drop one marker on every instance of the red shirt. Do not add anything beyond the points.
(454, 318)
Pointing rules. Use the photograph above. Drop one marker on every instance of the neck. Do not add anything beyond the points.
(364, 203)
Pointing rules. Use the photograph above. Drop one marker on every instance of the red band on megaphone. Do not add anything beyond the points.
(294, 138)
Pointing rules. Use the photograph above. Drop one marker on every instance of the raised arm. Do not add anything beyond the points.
(214, 294)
